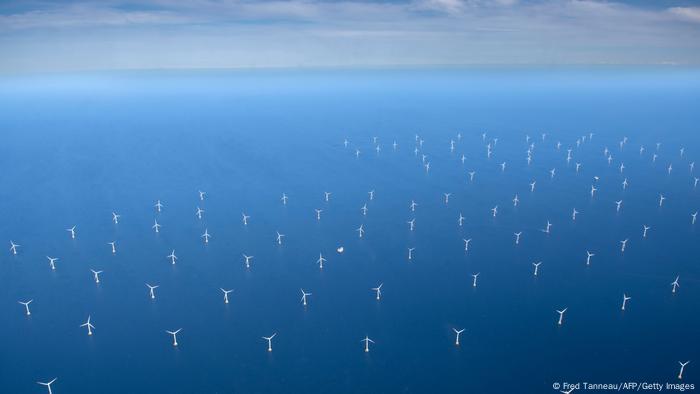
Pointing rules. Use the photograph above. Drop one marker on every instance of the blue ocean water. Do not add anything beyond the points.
(76, 148)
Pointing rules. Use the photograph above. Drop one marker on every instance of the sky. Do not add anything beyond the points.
(56, 36)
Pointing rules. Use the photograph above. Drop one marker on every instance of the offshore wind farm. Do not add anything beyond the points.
(349, 196)
(455, 275)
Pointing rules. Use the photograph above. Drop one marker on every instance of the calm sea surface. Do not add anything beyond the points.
(75, 148)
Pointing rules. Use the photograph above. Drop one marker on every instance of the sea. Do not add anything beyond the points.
(77, 147)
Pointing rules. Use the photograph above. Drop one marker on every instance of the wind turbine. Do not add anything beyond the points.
(156, 226)
(150, 290)
(279, 238)
(458, 332)
(13, 247)
(88, 325)
(537, 266)
(174, 334)
(303, 296)
(475, 276)
(410, 253)
(96, 274)
(199, 213)
(206, 236)
(52, 261)
(247, 260)
(623, 244)
(546, 230)
(624, 301)
(447, 197)
(159, 206)
(269, 341)
(378, 290)
(114, 246)
(26, 306)
(115, 217)
(226, 294)
(588, 259)
(680, 374)
(72, 232)
(561, 315)
(675, 284)
(466, 244)
(48, 384)
(245, 219)
(172, 256)
(367, 342)
(201, 195)
(320, 260)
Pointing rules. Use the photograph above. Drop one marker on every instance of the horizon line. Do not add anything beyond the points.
(367, 67)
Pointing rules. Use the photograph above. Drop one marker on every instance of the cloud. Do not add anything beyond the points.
(690, 14)
(452, 7)
(86, 15)
(107, 34)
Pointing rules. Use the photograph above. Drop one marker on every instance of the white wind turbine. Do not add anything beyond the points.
(537, 267)
(303, 296)
(226, 294)
(247, 260)
(172, 257)
(151, 290)
(378, 290)
(269, 341)
(458, 333)
(174, 334)
(367, 341)
(680, 374)
(26, 306)
(48, 384)
(625, 298)
(52, 261)
(561, 315)
(88, 325)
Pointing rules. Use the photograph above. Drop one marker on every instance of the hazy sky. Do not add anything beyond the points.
(112, 34)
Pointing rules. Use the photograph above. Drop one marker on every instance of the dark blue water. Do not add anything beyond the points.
(75, 148)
